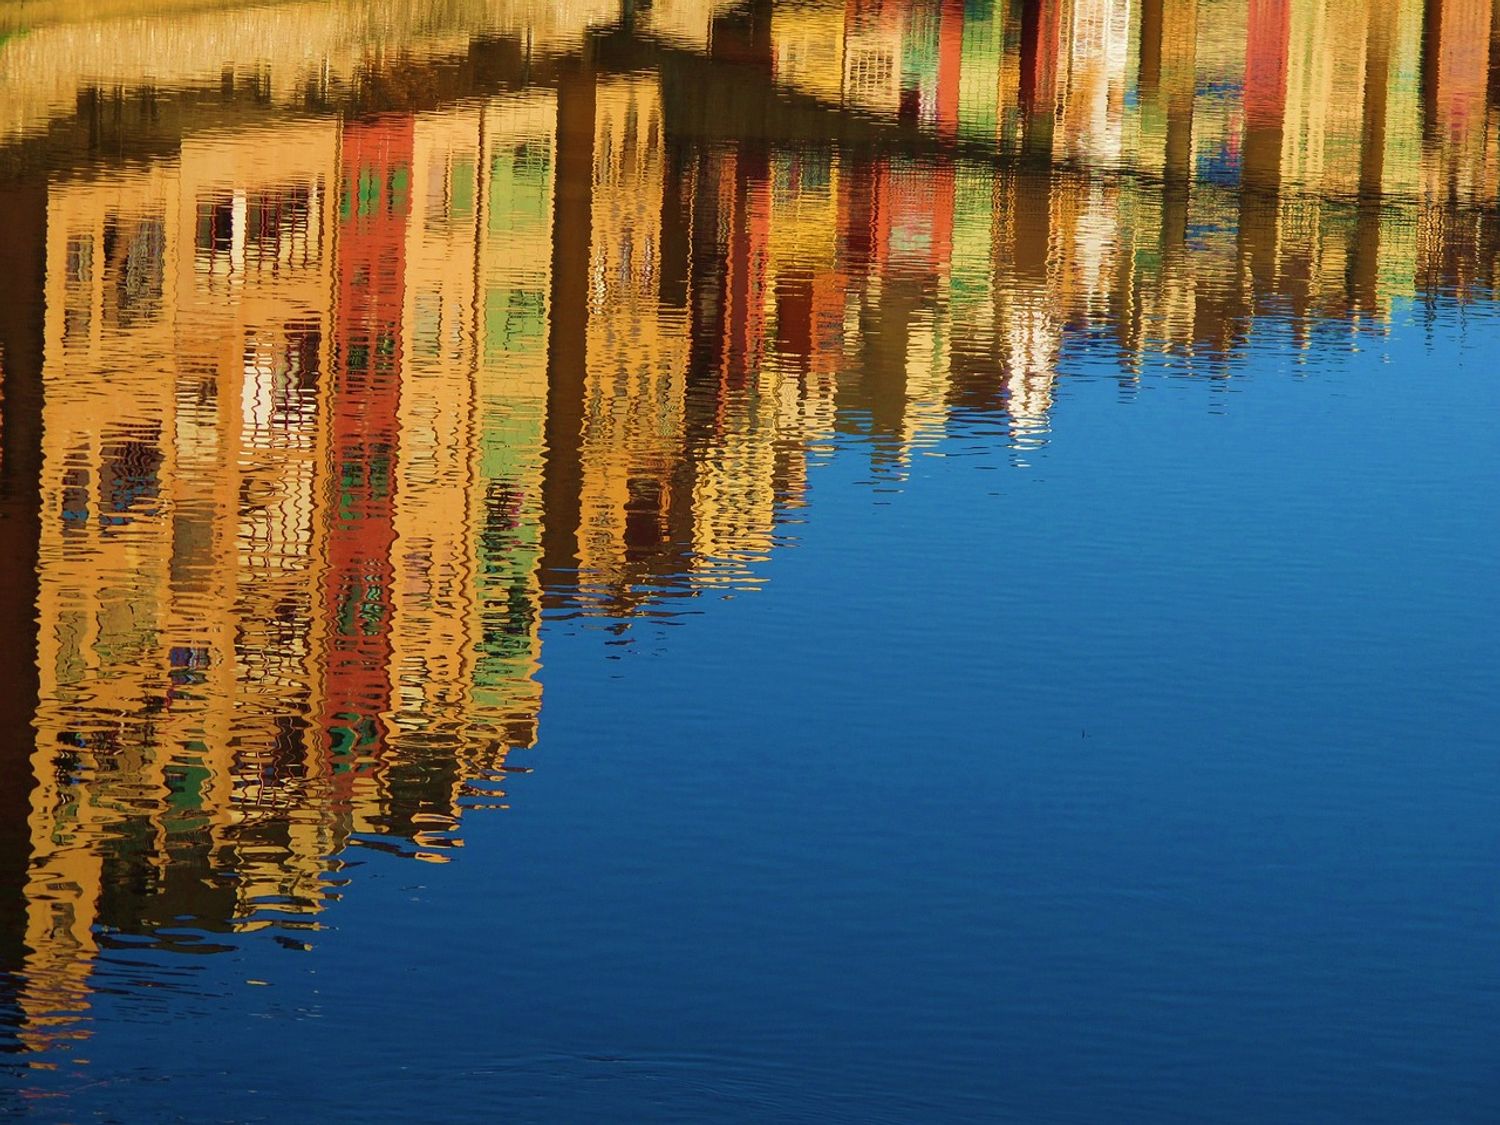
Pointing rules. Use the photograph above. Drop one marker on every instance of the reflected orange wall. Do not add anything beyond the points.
(469, 369)
(637, 351)
(184, 515)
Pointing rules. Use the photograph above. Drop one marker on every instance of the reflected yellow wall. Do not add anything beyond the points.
(285, 50)
(872, 60)
(95, 614)
(515, 270)
(808, 41)
(684, 23)
(637, 351)
(179, 510)
(251, 434)
(432, 635)
(472, 403)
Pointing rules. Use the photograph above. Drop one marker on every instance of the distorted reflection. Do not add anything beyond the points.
(342, 343)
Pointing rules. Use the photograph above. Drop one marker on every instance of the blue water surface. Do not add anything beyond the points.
(1149, 776)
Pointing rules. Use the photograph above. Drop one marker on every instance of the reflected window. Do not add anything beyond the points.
(644, 524)
(276, 227)
(399, 185)
(436, 207)
(188, 664)
(870, 74)
(427, 326)
(304, 348)
(461, 189)
(190, 656)
(266, 230)
(80, 265)
(78, 309)
(136, 254)
(374, 190)
(213, 233)
(74, 503)
(514, 319)
(128, 474)
(520, 178)
(78, 318)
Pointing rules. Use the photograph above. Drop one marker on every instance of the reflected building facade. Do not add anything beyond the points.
(329, 398)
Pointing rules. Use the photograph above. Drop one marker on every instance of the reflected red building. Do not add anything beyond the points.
(1266, 45)
(950, 57)
(374, 205)
(1265, 62)
(1040, 23)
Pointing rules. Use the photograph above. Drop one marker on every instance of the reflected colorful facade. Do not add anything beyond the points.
(350, 376)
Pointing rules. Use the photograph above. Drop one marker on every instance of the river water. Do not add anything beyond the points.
(887, 560)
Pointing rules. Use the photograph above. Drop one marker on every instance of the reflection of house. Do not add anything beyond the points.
(464, 625)
(433, 556)
(807, 271)
(808, 40)
(183, 308)
(684, 23)
(749, 463)
(256, 241)
(982, 55)
(1325, 92)
(971, 272)
(375, 198)
(308, 518)
(922, 70)
(1392, 152)
(1219, 92)
(637, 351)
(1030, 251)
(1041, 71)
(1456, 70)
(520, 157)
(1092, 115)
(872, 56)
(286, 52)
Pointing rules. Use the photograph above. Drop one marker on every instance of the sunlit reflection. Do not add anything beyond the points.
(367, 338)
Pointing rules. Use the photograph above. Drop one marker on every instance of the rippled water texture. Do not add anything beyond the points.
(879, 560)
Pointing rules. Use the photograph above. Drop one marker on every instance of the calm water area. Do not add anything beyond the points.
(694, 560)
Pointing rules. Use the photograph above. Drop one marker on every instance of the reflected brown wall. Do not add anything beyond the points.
(567, 347)
(23, 242)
